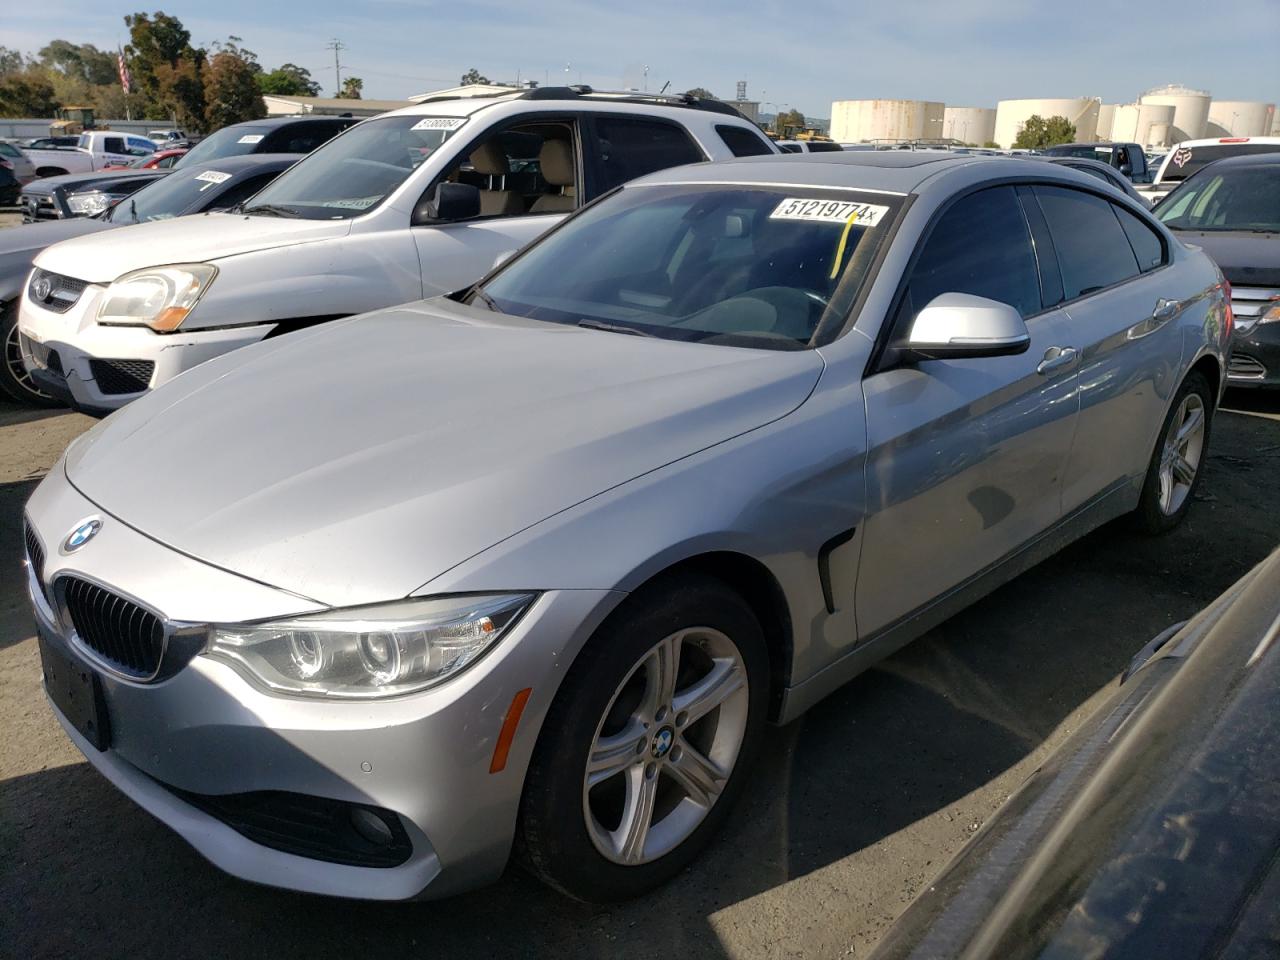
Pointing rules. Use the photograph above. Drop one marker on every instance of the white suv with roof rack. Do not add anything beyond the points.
(410, 204)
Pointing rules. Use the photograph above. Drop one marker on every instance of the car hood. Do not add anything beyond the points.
(19, 246)
(181, 240)
(354, 462)
(77, 182)
(1246, 259)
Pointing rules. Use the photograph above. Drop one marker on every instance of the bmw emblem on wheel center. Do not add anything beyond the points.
(662, 741)
(81, 534)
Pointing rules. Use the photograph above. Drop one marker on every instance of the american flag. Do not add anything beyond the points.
(126, 80)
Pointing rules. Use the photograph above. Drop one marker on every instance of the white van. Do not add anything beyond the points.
(409, 204)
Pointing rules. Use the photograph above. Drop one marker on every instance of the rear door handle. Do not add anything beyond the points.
(1166, 310)
(1055, 358)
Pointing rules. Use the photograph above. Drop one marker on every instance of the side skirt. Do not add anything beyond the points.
(1087, 518)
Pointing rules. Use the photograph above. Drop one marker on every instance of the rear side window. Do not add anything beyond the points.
(1146, 243)
(824, 146)
(742, 142)
(1093, 251)
(981, 246)
(631, 148)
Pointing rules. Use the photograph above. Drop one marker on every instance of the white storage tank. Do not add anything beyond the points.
(1012, 115)
(853, 121)
(1240, 118)
(1142, 123)
(969, 124)
(1190, 109)
(1106, 120)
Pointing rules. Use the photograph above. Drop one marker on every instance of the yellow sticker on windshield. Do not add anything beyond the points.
(841, 212)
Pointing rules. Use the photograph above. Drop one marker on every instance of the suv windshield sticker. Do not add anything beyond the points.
(439, 123)
(841, 212)
(251, 138)
(210, 177)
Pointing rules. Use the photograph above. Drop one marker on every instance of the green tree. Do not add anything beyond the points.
(179, 94)
(473, 76)
(83, 62)
(352, 87)
(289, 80)
(11, 61)
(156, 40)
(702, 93)
(231, 93)
(991, 145)
(789, 118)
(1038, 132)
(27, 94)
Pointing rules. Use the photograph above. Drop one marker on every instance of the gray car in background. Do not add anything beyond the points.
(358, 610)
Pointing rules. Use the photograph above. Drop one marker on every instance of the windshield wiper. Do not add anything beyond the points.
(485, 299)
(590, 324)
(272, 210)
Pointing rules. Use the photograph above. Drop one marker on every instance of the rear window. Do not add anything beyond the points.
(1184, 161)
(743, 142)
(745, 265)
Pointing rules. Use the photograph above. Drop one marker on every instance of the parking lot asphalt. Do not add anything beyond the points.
(852, 810)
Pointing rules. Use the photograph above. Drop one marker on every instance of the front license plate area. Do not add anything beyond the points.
(77, 691)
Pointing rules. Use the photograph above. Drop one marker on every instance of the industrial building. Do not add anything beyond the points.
(969, 124)
(1240, 118)
(863, 121)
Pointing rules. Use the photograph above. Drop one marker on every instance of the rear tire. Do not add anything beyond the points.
(1177, 463)
(647, 743)
(15, 382)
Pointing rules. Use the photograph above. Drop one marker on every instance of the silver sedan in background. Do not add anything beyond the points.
(357, 610)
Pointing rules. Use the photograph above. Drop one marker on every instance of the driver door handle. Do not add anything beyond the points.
(1165, 310)
(1055, 358)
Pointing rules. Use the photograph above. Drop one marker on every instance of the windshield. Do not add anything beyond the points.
(169, 196)
(9, 150)
(355, 172)
(743, 265)
(228, 142)
(1184, 161)
(1239, 198)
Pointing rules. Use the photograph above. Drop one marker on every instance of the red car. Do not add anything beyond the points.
(160, 160)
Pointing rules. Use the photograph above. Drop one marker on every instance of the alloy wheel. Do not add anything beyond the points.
(666, 746)
(1181, 454)
(17, 370)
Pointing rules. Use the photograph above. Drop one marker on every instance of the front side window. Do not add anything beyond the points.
(743, 142)
(1240, 198)
(355, 172)
(1093, 251)
(631, 148)
(748, 265)
(980, 246)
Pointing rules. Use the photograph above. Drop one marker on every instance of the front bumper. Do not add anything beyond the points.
(208, 731)
(1255, 356)
(99, 369)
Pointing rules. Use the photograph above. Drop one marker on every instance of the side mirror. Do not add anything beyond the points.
(449, 202)
(956, 326)
(1126, 169)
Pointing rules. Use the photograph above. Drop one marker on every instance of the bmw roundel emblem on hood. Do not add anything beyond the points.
(85, 531)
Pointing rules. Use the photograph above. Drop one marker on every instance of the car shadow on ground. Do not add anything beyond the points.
(89, 874)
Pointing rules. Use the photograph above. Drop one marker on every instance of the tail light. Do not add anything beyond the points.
(1233, 139)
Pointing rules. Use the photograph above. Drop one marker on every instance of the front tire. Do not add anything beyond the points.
(647, 743)
(1179, 458)
(15, 382)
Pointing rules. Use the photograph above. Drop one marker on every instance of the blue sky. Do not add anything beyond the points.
(801, 54)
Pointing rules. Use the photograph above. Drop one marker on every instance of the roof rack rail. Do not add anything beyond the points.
(580, 90)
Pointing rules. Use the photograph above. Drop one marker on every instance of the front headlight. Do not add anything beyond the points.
(88, 204)
(366, 652)
(157, 297)
(1271, 313)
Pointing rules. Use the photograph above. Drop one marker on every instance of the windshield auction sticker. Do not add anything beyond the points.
(439, 123)
(251, 138)
(841, 212)
(210, 177)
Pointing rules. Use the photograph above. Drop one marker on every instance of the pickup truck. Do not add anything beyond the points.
(1128, 158)
(1187, 157)
(96, 149)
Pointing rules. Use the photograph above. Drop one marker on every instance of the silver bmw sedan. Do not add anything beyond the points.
(359, 610)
